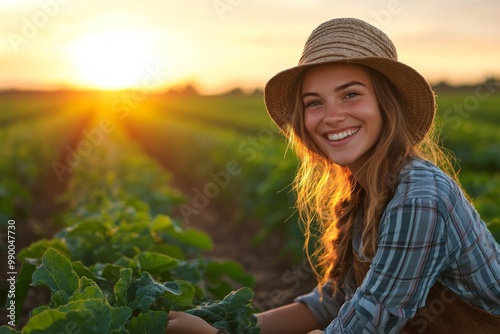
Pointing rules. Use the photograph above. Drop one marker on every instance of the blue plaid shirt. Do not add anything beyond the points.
(429, 232)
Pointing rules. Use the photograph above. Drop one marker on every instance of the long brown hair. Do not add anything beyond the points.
(330, 200)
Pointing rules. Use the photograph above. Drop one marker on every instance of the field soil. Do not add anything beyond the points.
(279, 279)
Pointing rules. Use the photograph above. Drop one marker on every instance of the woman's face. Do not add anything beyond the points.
(341, 112)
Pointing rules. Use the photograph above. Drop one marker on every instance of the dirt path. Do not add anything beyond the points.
(41, 211)
(278, 279)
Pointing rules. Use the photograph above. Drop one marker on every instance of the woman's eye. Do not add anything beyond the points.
(351, 95)
(311, 103)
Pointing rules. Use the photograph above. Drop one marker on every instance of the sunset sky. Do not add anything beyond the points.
(220, 44)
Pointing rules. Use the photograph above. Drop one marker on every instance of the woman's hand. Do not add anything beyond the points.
(180, 323)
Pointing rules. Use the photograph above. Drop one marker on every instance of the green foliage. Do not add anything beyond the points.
(56, 273)
(470, 129)
(470, 123)
(153, 322)
(8, 330)
(77, 302)
(108, 297)
(117, 266)
(231, 313)
(23, 162)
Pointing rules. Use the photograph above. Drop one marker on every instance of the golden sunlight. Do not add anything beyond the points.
(113, 59)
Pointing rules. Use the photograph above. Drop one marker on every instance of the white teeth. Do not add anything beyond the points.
(342, 135)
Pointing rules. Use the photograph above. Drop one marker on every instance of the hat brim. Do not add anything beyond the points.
(417, 94)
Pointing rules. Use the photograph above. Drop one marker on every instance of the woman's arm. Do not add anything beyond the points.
(183, 323)
(291, 319)
(294, 318)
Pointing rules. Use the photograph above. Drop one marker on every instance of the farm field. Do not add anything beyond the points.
(157, 202)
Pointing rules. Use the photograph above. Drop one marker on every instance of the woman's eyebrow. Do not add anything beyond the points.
(347, 85)
(336, 89)
(310, 94)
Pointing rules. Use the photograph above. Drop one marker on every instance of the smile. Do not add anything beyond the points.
(342, 135)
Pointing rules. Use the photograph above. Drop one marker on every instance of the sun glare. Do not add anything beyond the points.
(114, 59)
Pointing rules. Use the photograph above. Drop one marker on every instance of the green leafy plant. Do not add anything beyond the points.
(233, 313)
(111, 298)
(115, 268)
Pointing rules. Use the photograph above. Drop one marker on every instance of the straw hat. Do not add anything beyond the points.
(354, 41)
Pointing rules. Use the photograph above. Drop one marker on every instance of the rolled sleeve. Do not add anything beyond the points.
(364, 315)
(325, 308)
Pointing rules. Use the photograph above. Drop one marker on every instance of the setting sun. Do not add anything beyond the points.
(114, 59)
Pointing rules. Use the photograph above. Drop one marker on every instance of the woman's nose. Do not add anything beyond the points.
(333, 114)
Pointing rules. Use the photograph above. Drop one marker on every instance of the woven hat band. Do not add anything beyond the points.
(337, 42)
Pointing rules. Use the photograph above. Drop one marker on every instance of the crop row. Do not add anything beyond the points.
(28, 150)
(122, 262)
(249, 172)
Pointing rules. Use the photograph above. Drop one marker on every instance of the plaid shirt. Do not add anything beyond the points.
(429, 232)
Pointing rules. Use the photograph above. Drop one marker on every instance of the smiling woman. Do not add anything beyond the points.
(114, 59)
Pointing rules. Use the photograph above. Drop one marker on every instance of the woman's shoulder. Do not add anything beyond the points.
(438, 199)
(423, 180)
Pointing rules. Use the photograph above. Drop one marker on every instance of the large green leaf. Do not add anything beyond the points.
(188, 236)
(87, 311)
(84, 271)
(126, 263)
(92, 314)
(38, 248)
(8, 330)
(109, 271)
(121, 287)
(56, 273)
(48, 321)
(155, 263)
(195, 238)
(171, 250)
(119, 317)
(59, 298)
(147, 291)
(234, 313)
(161, 223)
(184, 299)
(90, 292)
(152, 322)
(85, 282)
